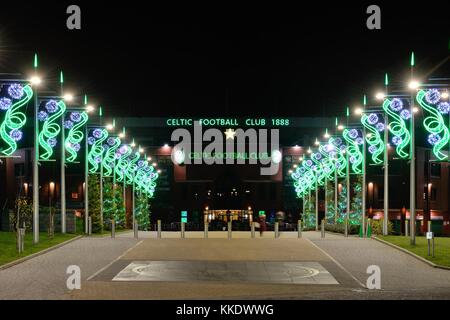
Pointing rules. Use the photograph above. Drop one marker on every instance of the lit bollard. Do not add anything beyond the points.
(253, 229)
(136, 230)
(322, 229)
(277, 232)
(89, 225)
(182, 230)
(206, 230)
(159, 229)
(299, 228)
(113, 228)
(229, 230)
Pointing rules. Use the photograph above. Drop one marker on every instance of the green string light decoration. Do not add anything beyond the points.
(341, 160)
(434, 123)
(14, 120)
(122, 163)
(110, 156)
(354, 150)
(397, 126)
(97, 149)
(75, 135)
(50, 129)
(373, 138)
(131, 168)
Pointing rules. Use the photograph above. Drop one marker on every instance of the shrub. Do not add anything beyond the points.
(340, 228)
(377, 227)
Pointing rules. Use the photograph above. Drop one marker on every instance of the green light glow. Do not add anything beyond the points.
(122, 165)
(434, 124)
(374, 141)
(50, 130)
(412, 63)
(398, 127)
(61, 77)
(85, 99)
(96, 151)
(35, 62)
(14, 120)
(109, 158)
(131, 168)
(386, 79)
(74, 137)
(354, 151)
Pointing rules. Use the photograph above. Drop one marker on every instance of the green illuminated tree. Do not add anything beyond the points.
(143, 211)
(342, 204)
(94, 202)
(113, 206)
(329, 202)
(310, 211)
(356, 205)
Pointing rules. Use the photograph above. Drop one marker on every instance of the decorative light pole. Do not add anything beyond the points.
(412, 172)
(36, 161)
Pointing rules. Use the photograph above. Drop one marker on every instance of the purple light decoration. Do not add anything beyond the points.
(15, 91)
(98, 159)
(110, 141)
(352, 159)
(405, 114)
(75, 116)
(396, 104)
(353, 133)
(52, 142)
(372, 149)
(42, 116)
(329, 147)
(343, 147)
(433, 138)
(314, 167)
(16, 134)
(76, 147)
(359, 140)
(380, 126)
(140, 163)
(68, 124)
(338, 141)
(91, 140)
(444, 107)
(302, 170)
(432, 96)
(123, 149)
(97, 133)
(309, 163)
(51, 106)
(396, 140)
(372, 119)
(5, 103)
(117, 156)
(318, 156)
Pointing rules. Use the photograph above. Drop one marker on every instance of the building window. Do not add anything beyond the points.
(435, 170)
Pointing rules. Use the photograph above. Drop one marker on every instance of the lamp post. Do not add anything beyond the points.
(36, 163)
(412, 172)
(386, 166)
(63, 164)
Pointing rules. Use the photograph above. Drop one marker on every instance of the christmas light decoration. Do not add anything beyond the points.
(373, 139)
(109, 158)
(354, 150)
(14, 119)
(75, 135)
(397, 126)
(434, 123)
(50, 128)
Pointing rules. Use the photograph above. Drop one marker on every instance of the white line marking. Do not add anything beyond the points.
(337, 263)
(118, 258)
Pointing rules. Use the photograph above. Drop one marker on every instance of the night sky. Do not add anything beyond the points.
(224, 60)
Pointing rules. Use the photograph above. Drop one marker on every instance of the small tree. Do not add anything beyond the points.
(113, 206)
(94, 203)
(143, 211)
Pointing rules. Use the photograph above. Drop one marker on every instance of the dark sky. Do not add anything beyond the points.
(229, 60)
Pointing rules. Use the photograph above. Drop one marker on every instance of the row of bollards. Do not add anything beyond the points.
(229, 230)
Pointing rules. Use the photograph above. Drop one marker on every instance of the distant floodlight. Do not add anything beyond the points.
(90, 108)
(413, 85)
(379, 96)
(340, 127)
(68, 97)
(415, 109)
(444, 95)
(35, 80)
(141, 150)
(121, 135)
(109, 126)
(358, 111)
(149, 158)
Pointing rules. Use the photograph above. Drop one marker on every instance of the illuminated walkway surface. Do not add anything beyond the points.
(222, 268)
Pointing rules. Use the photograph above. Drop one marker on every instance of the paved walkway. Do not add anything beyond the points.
(346, 260)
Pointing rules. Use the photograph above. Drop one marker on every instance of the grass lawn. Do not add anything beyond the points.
(8, 250)
(441, 248)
